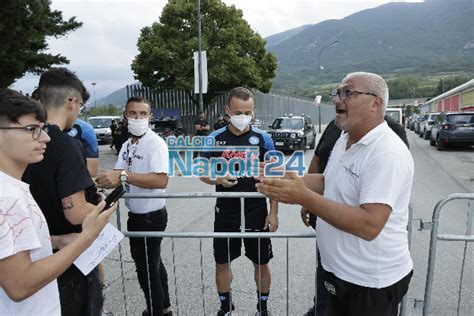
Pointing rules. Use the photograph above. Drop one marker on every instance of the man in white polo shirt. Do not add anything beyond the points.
(142, 167)
(362, 203)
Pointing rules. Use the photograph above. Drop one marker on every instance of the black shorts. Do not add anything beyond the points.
(352, 300)
(258, 250)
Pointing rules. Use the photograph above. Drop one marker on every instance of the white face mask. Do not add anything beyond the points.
(137, 127)
(240, 121)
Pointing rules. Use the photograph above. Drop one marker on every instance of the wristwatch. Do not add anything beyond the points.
(123, 177)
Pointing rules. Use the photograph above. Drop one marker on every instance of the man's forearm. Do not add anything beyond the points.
(209, 181)
(33, 276)
(273, 207)
(356, 220)
(313, 165)
(148, 180)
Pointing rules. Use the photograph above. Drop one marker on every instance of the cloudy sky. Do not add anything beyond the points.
(101, 51)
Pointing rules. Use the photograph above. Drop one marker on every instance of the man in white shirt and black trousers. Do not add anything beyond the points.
(142, 167)
(361, 203)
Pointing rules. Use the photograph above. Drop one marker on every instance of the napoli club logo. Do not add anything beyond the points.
(72, 132)
(253, 140)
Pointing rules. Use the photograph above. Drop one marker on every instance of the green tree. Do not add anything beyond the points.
(236, 55)
(104, 110)
(403, 88)
(24, 27)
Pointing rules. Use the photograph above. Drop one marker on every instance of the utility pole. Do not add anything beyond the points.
(199, 55)
(93, 88)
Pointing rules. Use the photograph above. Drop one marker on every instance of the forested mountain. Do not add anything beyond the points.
(395, 39)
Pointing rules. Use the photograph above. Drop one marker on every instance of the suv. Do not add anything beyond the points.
(425, 126)
(101, 125)
(293, 132)
(454, 128)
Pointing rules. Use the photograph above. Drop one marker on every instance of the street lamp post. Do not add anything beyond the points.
(93, 88)
(318, 68)
(322, 49)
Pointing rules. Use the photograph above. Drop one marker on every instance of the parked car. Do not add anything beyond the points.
(413, 120)
(425, 126)
(293, 132)
(453, 128)
(101, 125)
(395, 114)
(421, 119)
(256, 123)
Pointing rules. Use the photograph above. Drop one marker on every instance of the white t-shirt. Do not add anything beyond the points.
(23, 227)
(377, 169)
(148, 155)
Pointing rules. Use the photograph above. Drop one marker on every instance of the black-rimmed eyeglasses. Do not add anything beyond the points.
(346, 94)
(34, 129)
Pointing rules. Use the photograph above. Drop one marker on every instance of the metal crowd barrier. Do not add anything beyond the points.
(434, 225)
(202, 235)
(468, 237)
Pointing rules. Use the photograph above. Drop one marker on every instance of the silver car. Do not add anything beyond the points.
(426, 125)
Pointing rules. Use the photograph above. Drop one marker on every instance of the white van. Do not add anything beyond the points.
(395, 114)
(101, 125)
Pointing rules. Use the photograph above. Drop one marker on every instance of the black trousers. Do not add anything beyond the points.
(81, 296)
(151, 272)
(347, 299)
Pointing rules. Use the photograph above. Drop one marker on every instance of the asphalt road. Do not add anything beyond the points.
(436, 175)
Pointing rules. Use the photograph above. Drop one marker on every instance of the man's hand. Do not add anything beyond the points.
(96, 220)
(108, 179)
(305, 216)
(271, 222)
(289, 190)
(227, 182)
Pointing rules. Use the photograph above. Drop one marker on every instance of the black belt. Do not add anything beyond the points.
(146, 215)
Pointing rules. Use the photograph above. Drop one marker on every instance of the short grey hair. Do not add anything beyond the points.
(374, 83)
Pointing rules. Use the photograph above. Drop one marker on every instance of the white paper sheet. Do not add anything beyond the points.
(108, 238)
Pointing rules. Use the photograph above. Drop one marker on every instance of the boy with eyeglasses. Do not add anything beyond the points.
(59, 181)
(28, 268)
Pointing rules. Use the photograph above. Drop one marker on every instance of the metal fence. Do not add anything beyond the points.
(270, 106)
(209, 235)
(433, 225)
(206, 235)
(435, 237)
(267, 106)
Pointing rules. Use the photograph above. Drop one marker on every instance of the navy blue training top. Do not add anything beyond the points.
(261, 142)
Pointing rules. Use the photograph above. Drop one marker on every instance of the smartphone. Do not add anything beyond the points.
(114, 196)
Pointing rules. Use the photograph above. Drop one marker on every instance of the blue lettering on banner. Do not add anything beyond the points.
(237, 161)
